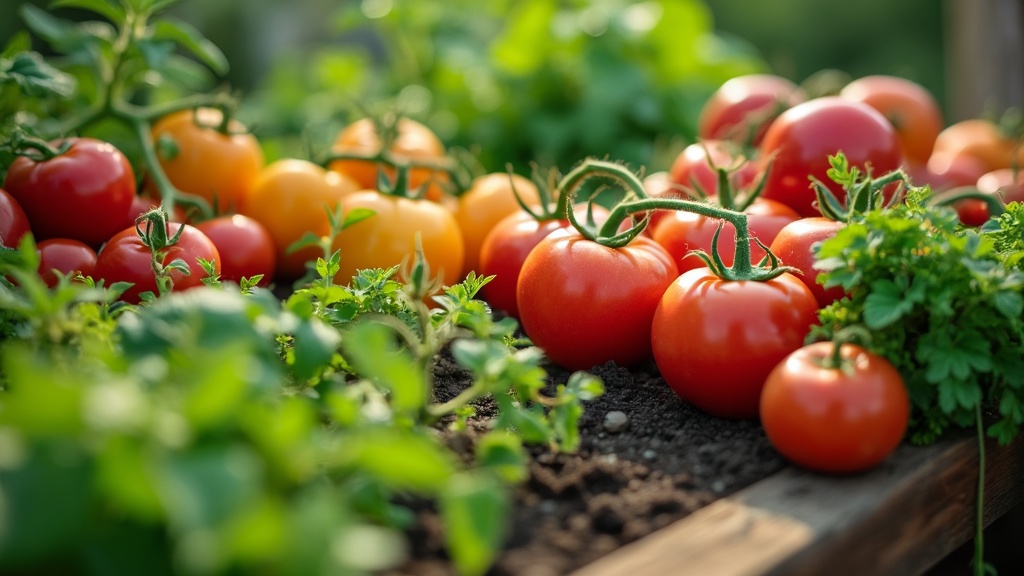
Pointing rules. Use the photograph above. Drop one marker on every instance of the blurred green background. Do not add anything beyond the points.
(552, 81)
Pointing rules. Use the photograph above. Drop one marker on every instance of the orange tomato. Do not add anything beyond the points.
(910, 107)
(288, 197)
(389, 236)
(205, 162)
(413, 142)
(981, 140)
(490, 198)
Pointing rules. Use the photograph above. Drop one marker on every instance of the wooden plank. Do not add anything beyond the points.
(898, 519)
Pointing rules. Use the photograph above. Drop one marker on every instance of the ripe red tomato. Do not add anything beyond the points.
(124, 258)
(909, 106)
(585, 304)
(715, 340)
(794, 246)
(680, 232)
(506, 247)
(69, 257)
(981, 140)
(1001, 182)
(831, 419)
(742, 109)
(84, 194)
(206, 162)
(13, 222)
(799, 142)
(245, 247)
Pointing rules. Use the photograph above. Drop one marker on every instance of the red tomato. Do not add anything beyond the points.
(245, 247)
(999, 182)
(585, 304)
(981, 140)
(910, 107)
(84, 194)
(680, 232)
(692, 167)
(69, 257)
(801, 139)
(742, 109)
(506, 247)
(794, 246)
(831, 419)
(124, 258)
(715, 341)
(13, 222)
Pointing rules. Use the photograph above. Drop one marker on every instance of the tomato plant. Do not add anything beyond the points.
(289, 198)
(79, 188)
(206, 154)
(909, 106)
(742, 108)
(489, 199)
(144, 255)
(835, 407)
(69, 257)
(694, 168)
(13, 222)
(799, 142)
(245, 247)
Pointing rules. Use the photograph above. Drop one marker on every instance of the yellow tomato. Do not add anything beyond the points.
(389, 236)
(488, 200)
(289, 198)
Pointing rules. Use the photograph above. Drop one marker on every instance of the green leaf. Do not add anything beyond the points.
(315, 345)
(110, 10)
(373, 351)
(1009, 304)
(885, 305)
(474, 507)
(355, 216)
(35, 77)
(585, 386)
(185, 35)
(403, 460)
(503, 454)
(202, 488)
(19, 42)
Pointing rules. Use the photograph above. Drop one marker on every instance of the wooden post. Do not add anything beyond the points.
(984, 57)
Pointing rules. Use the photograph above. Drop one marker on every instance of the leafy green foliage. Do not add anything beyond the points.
(942, 304)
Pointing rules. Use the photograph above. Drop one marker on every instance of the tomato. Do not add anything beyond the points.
(69, 257)
(83, 194)
(980, 139)
(799, 142)
(680, 232)
(389, 236)
(245, 246)
(909, 106)
(692, 169)
(999, 182)
(715, 341)
(742, 108)
(13, 222)
(288, 198)
(794, 246)
(200, 160)
(506, 247)
(124, 258)
(490, 198)
(586, 304)
(413, 142)
(830, 419)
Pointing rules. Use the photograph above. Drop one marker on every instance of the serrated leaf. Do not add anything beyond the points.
(884, 305)
(109, 10)
(188, 37)
(35, 76)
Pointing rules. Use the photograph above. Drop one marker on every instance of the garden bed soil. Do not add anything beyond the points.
(646, 459)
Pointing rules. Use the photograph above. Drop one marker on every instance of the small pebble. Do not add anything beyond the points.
(616, 421)
(650, 454)
(718, 486)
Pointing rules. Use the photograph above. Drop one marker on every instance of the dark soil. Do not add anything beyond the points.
(668, 460)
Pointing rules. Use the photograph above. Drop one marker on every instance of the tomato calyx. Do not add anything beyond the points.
(835, 360)
(638, 202)
(862, 192)
(152, 230)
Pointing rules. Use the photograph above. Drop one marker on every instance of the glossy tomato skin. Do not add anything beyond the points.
(909, 106)
(794, 246)
(288, 198)
(490, 198)
(245, 246)
(506, 247)
(715, 341)
(585, 304)
(124, 258)
(981, 140)
(389, 236)
(745, 106)
(680, 232)
(83, 194)
(1005, 183)
(13, 222)
(799, 142)
(692, 168)
(69, 257)
(832, 420)
(205, 162)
